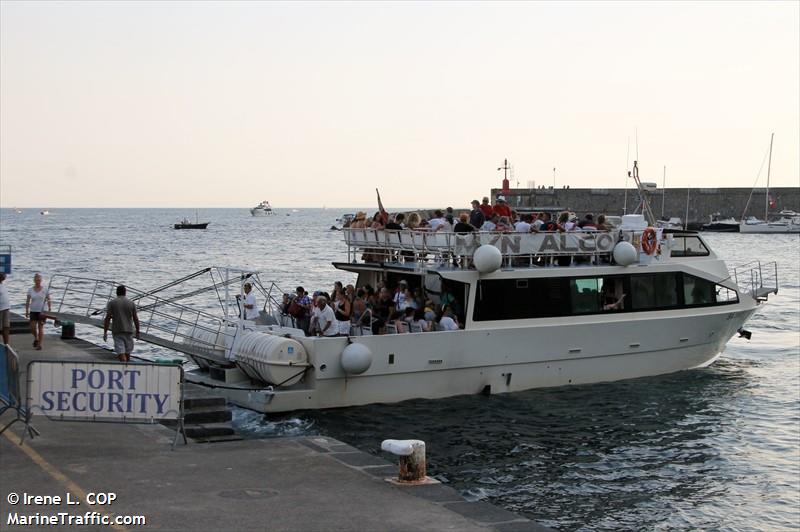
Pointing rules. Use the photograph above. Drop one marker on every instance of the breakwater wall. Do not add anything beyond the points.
(702, 202)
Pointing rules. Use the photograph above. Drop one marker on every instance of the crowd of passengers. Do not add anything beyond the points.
(379, 309)
(483, 217)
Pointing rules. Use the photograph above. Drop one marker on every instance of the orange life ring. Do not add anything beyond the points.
(649, 241)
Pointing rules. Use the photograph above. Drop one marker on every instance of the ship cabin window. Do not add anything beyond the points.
(509, 299)
(689, 246)
(654, 291)
(515, 299)
(585, 295)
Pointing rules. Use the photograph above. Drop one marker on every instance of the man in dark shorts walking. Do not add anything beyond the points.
(121, 314)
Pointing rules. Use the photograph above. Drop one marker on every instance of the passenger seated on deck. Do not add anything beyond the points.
(463, 226)
(601, 223)
(360, 220)
(447, 322)
(547, 223)
(438, 222)
(413, 221)
(587, 224)
(490, 225)
(404, 321)
(504, 226)
(609, 298)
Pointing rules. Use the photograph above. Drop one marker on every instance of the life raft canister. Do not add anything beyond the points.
(649, 241)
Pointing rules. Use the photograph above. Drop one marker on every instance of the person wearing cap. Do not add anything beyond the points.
(486, 208)
(501, 208)
(476, 216)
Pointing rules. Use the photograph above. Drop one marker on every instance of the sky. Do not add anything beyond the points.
(211, 104)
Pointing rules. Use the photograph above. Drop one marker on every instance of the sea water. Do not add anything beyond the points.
(716, 448)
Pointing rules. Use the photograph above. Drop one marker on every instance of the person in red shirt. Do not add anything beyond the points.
(486, 208)
(501, 208)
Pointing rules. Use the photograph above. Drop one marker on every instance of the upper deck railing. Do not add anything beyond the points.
(378, 245)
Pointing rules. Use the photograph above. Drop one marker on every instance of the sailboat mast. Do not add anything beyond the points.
(663, 190)
(769, 166)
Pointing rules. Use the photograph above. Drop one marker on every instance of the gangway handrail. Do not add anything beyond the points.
(750, 277)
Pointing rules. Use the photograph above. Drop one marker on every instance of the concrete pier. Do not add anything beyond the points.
(280, 484)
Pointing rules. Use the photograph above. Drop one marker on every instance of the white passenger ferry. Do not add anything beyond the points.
(262, 209)
(538, 310)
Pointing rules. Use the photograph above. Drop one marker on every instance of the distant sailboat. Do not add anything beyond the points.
(786, 224)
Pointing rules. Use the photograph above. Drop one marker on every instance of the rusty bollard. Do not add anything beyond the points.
(412, 460)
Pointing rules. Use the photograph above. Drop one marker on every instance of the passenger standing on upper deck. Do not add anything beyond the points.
(476, 216)
(486, 208)
(34, 309)
(501, 208)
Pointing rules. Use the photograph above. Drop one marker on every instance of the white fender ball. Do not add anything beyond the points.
(487, 258)
(624, 254)
(356, 359)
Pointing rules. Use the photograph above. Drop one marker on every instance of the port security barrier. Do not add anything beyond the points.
(105, 391)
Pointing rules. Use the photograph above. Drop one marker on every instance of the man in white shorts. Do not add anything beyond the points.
(121, 314)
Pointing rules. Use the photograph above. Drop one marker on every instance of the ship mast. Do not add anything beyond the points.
(769, 165)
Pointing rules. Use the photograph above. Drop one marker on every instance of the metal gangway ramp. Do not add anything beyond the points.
(164, 320)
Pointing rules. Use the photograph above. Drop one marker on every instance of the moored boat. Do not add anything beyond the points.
(717, 224)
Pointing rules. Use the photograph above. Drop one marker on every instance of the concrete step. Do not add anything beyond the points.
(207, 430)
(218, 439)
(191, 402)
(212, 414)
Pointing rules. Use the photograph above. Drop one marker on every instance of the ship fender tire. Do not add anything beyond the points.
(649, 241)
